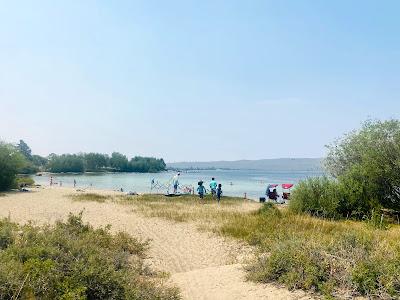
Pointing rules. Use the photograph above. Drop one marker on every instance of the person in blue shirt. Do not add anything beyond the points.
(201, 190)
(213, 187)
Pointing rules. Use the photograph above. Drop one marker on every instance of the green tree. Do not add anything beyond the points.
(24, 149)
(39, 161)
(95, 161)
(66, 163)
(11, 160)
(146, 164)
(119, 162)
(369, 159)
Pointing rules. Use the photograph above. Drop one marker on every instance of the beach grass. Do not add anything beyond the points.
(183, 208)
(339, 259)
(90, 197)
(73, 260)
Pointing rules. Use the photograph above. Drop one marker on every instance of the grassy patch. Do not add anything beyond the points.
(24, 181)
(90, 197)
(336, 258)
(72, 260)
(184, 208)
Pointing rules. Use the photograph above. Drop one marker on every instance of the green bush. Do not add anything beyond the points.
(346, 197)
(72, 260)
(24, 181)
(370, 159)
(318, 196)
(340, 259)
(10, 162)
(293, 263)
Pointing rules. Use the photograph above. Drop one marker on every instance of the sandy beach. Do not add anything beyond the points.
(201, 264)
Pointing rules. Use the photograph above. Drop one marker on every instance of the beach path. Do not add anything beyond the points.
(201, 264)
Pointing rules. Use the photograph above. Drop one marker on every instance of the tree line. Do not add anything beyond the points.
(18, 159)
(98, 162)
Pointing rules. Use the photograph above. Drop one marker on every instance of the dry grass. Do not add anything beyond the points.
(337, 258)
(185, 208)
(90, 197)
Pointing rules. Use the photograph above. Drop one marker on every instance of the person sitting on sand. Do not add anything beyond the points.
(219, 192)
(213, 187)
(273, 195)
(201, 190)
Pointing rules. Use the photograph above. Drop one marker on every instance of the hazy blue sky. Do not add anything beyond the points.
(195, 80)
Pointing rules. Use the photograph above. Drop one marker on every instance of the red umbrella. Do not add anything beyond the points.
(287, 185)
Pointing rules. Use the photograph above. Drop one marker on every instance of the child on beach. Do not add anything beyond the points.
(201, 189)
(219, 192)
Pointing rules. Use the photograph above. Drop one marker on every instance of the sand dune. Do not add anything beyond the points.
(202, 265)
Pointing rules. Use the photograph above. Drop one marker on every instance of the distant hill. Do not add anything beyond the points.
(280, 164)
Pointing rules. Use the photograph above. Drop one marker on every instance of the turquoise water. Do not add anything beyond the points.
(234, 182)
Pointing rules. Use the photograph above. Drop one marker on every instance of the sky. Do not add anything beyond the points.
(195, 80)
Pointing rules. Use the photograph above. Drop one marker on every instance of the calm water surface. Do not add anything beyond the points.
(234, 182)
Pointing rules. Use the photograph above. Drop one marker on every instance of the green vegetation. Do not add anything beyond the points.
(72, 260)
(18, 159)
(365, 170)
(96, 162)
(184, 208)
(24, 181)
(336, 258)
(66, 163)
(119, 162)
(11, 161)
(29, 167)
(340, 259)
(90, 197)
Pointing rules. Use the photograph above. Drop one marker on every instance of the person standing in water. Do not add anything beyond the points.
(213, 187)
(219, 192)
(74, 183)
(201, 190)
(51, 180)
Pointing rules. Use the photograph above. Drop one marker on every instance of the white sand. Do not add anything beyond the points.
(202, 265)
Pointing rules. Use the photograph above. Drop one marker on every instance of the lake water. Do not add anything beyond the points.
(234, 182)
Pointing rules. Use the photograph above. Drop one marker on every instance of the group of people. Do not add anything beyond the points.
(215, 188)
(52, 182)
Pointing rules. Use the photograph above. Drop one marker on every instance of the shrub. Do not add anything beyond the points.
(72, 260)
(318, 196)
(370, 157)
(24, 181)
(346, 197)
(337, 258)
(10, 162)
